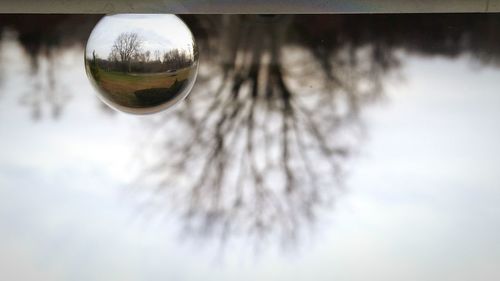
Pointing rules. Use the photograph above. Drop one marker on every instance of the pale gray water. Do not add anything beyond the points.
(421, 197)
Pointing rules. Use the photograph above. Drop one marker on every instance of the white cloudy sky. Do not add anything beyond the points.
(422, 200)
(158, 32)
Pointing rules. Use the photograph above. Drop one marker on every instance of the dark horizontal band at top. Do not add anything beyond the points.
(253, 7)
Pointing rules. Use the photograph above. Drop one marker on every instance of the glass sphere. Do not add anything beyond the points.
(141, 63)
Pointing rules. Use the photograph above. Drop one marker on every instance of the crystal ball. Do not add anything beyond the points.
(141, 63)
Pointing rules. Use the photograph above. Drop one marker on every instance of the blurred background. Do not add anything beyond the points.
(346, 147)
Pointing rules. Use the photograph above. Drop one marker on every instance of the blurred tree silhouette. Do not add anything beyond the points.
(43, 36)
(260, 145)
(260, 152)
(276, 112)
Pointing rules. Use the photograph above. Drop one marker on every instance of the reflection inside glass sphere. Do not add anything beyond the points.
(141, 64)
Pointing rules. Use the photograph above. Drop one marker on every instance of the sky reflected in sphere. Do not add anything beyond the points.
(141, 64)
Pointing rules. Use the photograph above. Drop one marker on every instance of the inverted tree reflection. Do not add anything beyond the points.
(262, 142)
(43, 38)
(265, 134)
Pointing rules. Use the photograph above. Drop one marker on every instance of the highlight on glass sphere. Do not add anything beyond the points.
(141, 63)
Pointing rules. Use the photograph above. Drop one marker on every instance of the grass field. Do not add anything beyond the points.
(140, 90)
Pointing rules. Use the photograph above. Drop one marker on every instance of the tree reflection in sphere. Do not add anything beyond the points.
(141, 63)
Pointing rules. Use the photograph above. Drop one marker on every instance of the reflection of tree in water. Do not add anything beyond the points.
(44, 89)
(43, 38)
(262, 150)
(276, 113)
(260, 145)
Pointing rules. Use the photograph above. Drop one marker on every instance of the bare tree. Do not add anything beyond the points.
(114, 56)
(127, 45)
(157, 56)
(263, 151)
